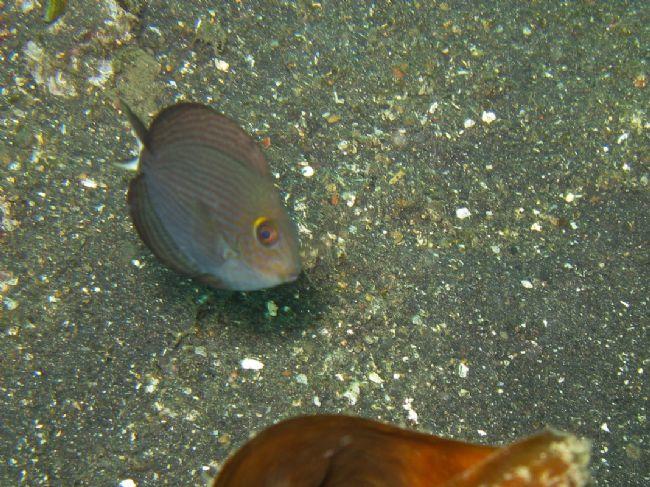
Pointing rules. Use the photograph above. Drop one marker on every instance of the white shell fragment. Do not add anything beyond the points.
(374, 377)
(488, 117)
(251, 364)
(104, 72)
(349, 197)
(408, 407)
(463, 370)
(221, 65)
(352, 393)
(88, 183)
(302, 379)
(462, 213)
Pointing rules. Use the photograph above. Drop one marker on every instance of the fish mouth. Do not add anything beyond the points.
(293, 276)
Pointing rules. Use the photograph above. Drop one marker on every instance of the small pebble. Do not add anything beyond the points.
(463, 370)
(462, 213)
(272, 308)
(488, 117)
(352, 393)
(349, 198)
(221, 65)
(152, 385)
(408, 407)
(469, 123)
(302, 379)
(251, 364)
(88, 183)
(374, 377)
(10, 304)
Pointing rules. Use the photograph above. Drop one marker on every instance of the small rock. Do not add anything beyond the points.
(374, 377)
(488, 117)
(251, 364)
(462, 213)
(302, 379)
(221, 65)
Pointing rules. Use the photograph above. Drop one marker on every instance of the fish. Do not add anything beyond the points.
(204, 202)
(339, 450)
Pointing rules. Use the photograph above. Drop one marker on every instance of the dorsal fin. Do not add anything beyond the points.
(193, 123)
(137, 124)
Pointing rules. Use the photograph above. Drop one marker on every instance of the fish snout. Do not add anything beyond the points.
(291, 269)
(293, 275)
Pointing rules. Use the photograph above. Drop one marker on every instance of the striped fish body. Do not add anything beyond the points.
(205, 204)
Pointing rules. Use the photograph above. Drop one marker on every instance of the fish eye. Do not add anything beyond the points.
(266, 231)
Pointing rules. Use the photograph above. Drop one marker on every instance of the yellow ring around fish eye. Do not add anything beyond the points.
(265, 231)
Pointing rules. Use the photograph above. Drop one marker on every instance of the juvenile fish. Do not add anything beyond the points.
(204, 203)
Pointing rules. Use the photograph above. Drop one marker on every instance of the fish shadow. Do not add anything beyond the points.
(286, 310)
